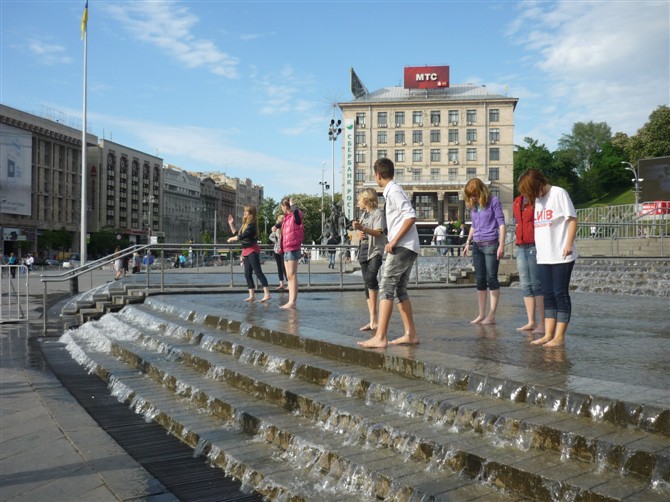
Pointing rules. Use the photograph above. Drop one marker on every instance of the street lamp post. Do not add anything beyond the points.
(334, 130)
(637, 180)
(150, 201)
(324, 186)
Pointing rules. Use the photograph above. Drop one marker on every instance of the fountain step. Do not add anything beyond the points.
(512, 422)
(623, 405)
(261, 444)
(468, 450)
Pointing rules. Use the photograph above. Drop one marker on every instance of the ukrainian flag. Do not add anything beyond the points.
(84, 20)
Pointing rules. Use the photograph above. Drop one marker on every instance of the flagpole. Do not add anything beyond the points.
(84, 197)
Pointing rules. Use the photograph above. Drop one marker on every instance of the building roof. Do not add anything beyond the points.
(456, 93)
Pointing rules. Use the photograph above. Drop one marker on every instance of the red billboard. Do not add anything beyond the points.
(426, 77)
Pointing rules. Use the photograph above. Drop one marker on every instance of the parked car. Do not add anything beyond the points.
(52, 263)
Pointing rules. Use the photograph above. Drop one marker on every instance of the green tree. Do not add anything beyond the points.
(268, 212)
(652, 139)
(533, 155)
(310, 205)
(606, 175)
(584, 142)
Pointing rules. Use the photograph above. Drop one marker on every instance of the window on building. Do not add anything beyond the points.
(360, 156)
(360, 119)
(494, 134)
(453, 135)
(399, 174)
(452, 155)
(453, 117)
(494, 153)
(382, 137)
(416, 174)
(417, 155)
(471, 116)
(435, 117)
(400, 155)
(417, 136)
(453, 174)
(435, 136)
(471, 172)
(360, 137)
(494, 115)
(495, 191)
(471, 135)
(471, 154)
(424, 206)
(381, 154)
(435, 155)
(417, 118)
(382, 119)
(434, 173)
(360, 175)
(399, 119)
(400, 137)
(494, 173)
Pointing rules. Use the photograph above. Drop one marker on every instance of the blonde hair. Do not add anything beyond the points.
(369, 197)
(249, 218)
(476, 192)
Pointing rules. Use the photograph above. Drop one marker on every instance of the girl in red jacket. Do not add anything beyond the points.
(292, 233)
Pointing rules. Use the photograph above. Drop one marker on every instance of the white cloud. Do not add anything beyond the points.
(211, 150)
(601, 61)
(48, 54)
(169, 26)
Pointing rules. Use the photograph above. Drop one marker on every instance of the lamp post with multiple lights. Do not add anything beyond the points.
(637, 180)
(334, 130)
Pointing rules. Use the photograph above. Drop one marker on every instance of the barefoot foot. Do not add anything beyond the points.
(541, 341)
(368, 327)
(405, 340)
(527, 327)
(374, 343)
(477, 319)
(250, 299)
(265, 298)
(288, 306)
(489, 320)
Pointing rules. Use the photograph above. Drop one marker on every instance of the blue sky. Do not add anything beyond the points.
(247, 87)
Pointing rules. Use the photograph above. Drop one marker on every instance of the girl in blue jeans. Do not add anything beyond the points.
(555, 231)
(487, 236)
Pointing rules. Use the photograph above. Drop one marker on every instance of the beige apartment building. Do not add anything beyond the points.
(439, 137)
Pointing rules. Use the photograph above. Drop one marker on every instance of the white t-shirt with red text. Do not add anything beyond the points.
(551, 226)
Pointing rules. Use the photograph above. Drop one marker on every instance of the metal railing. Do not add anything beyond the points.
(14, 290)
(612, 239)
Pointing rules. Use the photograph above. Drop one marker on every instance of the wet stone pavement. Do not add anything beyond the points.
(617, 339)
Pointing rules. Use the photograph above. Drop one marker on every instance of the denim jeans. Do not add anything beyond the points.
(252, 265)
(486, 266)
(370, 271)
(555, 280)
(395, 274)
(529, 273)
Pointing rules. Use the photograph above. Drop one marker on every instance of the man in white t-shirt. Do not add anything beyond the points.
(440, 239)
(401, 250)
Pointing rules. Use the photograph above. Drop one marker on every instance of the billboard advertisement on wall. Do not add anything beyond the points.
(16, 151)
(426, 77)
(655, 175)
